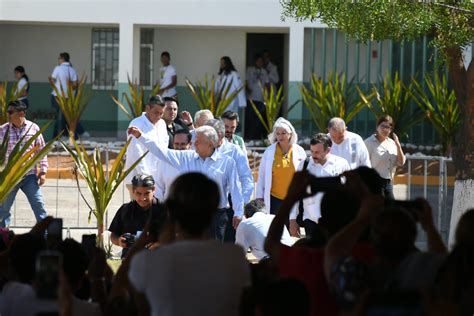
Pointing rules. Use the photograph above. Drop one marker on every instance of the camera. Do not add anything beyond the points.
(411, 206)
(129, 239)
(325, 184)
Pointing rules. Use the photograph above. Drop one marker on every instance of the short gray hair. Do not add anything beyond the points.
(287, 126)
(201, 113)
(337, 124)
(210, 134)
(218, 125)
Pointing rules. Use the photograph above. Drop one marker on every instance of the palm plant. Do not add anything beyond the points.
(73, 103)
(136, 101)
(334, 98)
(441, 109)
(273, 101)
(210, 96)
(394, 99)
(100, 184)
(20, 161)
(6, 98)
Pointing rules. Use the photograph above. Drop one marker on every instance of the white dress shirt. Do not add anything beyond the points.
(352, 149)
(166, 175)
(218, 167)
(62, 74)
(383, 156)
(251, 233)
(232, 80)
(272, 71)
(257, 78)
(149, 164)
(243, 168)
(334, 166)
(166, 78)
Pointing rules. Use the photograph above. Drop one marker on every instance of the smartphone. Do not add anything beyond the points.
(48, 266)
(411, 206)
(54, 233)
(89, 243)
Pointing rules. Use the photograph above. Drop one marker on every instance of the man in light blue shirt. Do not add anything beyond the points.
(209, 161)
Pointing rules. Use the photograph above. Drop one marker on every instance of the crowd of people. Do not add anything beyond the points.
(324, 231)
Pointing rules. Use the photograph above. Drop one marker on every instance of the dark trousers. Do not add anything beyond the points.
(219, 225)
(229, 229)
(274, 204)
(60, 124)
(387, 189)
(254, 128)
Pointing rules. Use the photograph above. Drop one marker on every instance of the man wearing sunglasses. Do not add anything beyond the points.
(19, 127)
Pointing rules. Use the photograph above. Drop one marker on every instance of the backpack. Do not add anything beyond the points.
(299, 217)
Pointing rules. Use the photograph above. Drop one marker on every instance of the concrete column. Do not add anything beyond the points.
(295, 70)
(129, 66)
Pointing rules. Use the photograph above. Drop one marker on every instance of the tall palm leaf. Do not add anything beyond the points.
(100, 185)
(20, 161)
(334, 98)
(210, 96)
(273, 101)
(394, 99)
(135, 100)
(441, 109)
(73, 103)
(6, 98)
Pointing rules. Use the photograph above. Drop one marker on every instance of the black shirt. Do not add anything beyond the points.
(131, 218)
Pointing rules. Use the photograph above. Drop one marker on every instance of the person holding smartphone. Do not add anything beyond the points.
(131, 218)
(385, 152)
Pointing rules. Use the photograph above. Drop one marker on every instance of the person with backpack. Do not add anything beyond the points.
(23, 85)
(321, 164)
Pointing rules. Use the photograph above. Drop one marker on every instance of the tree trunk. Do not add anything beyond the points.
(463, 153)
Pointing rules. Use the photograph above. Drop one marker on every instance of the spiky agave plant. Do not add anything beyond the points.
(72, 103)
(333, 98)
(135, 99)
(100, 185)
(20, 161)
(210, 96)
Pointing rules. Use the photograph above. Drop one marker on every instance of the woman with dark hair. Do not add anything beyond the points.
(385, 152)
(229, 77)
(23, 85)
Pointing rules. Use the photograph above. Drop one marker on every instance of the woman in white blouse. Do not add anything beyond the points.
(22, 84)
(385, 152)
(278, 165)
(228, 76)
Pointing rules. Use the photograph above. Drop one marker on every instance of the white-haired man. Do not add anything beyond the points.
(347, 145)
(209, 161)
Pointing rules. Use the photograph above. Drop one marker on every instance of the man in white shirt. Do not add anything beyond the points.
(321, 164)
(271, 68)
(253, 230)
(167, 173)
(168, 78)
(63, 74)
(149, 122)
(347, 145)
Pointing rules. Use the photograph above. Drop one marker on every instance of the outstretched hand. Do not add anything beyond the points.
(186, 118)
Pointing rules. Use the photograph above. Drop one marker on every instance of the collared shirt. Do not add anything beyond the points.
(257, 78)
(62, 74)
(272, 71)
(239, 141)
(333, 166)
(352, 149)
(243, 168)
(251, 233)
(166, 78)
(29, 129)
(218, 167)
(149, 164)
(165, 177)
(383, 156)
(172, 129)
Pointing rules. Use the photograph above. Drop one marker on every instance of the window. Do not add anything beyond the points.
(105, 58)
(146, 58)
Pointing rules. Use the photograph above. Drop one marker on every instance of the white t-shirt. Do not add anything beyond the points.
(352, 149)
(192, 277)
(383, 156)
(166, 78)
(149, 164)
(62, 74)
(334, 166)
(251, 233)
(22, 83)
